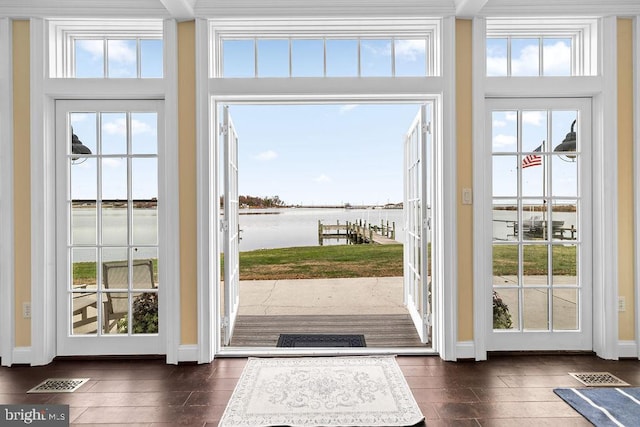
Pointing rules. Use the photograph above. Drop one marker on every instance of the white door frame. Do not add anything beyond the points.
(602, 90)
(44, 93)
(68, 344)
(554, 340)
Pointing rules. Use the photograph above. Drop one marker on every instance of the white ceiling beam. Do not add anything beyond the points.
(181, 10)
(469, 8)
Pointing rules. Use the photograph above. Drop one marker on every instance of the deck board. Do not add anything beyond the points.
(383, 331)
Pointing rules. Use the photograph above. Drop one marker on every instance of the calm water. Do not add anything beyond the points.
(282, 228)
(260, 228)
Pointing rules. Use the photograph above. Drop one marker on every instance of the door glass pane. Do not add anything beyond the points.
(116, 312)
(144, 134)
(505, 220)
(122, 58)
(342, 58)
(525, 57)
(505, 176)
(535, 309)
(273, 58)
(565, 219)
(83, 202)
(565, 264)
(84, 271)
(238, 58)
(535, 265)
(307, 58)
(504, 131)
(114, 133)
(84, 126)
(506, 314)
(496, 57)
(145, 313)
(411, 57)
(565, 309)
(142, 255)
(375, 57)
(505, 265)
(84, 313)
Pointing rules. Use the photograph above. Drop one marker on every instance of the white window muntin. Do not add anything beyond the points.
(64, 33)
(582, 32)
(395, 30)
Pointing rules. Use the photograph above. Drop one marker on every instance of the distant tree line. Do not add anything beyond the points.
(258, 202)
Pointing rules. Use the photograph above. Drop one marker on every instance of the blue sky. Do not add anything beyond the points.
(323, 154)
(318, 154)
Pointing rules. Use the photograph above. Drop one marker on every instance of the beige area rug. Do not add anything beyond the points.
(322, 391)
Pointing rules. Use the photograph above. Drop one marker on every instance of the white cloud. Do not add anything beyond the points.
(535, 118)
(348, 107)
(115, 127)
(119, 127)
(122, 51)
(499, 124)
(377, 47)
(93, 47)
(322, 178)
(512, 116)
(410, 50)
(113, 163)
(503, 141)
(265, 156)
(527, 63)
(557, 59)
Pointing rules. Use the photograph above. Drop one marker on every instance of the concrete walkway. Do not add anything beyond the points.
(367, 295)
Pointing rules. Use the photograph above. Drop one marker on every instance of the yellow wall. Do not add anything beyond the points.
(187, 185)
(21, 178)
(464, 105)
(187, 166)
(625, 178)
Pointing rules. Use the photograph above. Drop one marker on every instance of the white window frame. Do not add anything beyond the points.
(348, 89)
(64, 33)
(582, 31)
(44, 92)
(7, 310)
(602, 90)
(327, 29)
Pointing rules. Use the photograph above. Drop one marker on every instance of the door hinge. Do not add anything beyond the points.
(426, 127)
(224, 225)
(426, 223)
(224, 322)
(224, 129)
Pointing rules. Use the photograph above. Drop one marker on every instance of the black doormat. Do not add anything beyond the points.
(319, 340)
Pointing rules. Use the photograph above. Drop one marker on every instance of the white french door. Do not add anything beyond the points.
(540, 222)
(108, 286)
(417, 219)
(230, 227)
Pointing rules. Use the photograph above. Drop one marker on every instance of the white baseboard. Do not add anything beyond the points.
(188, 353)
(21, 356)
(628, 349)
(465, 350)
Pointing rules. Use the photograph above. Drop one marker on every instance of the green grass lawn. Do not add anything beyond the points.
(365, 261)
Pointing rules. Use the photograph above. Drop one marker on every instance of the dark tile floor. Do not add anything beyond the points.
(503, 391)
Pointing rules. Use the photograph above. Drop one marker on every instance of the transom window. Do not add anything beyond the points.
(106, 49)
(273, 49)
(529, 47)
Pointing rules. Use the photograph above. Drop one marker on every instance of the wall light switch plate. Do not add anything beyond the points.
(26, 310)
(622, 304)
(466, 196)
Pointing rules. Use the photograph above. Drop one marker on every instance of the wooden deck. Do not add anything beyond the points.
(381, 331)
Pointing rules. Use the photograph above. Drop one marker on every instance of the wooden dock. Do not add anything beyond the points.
(359, 232)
